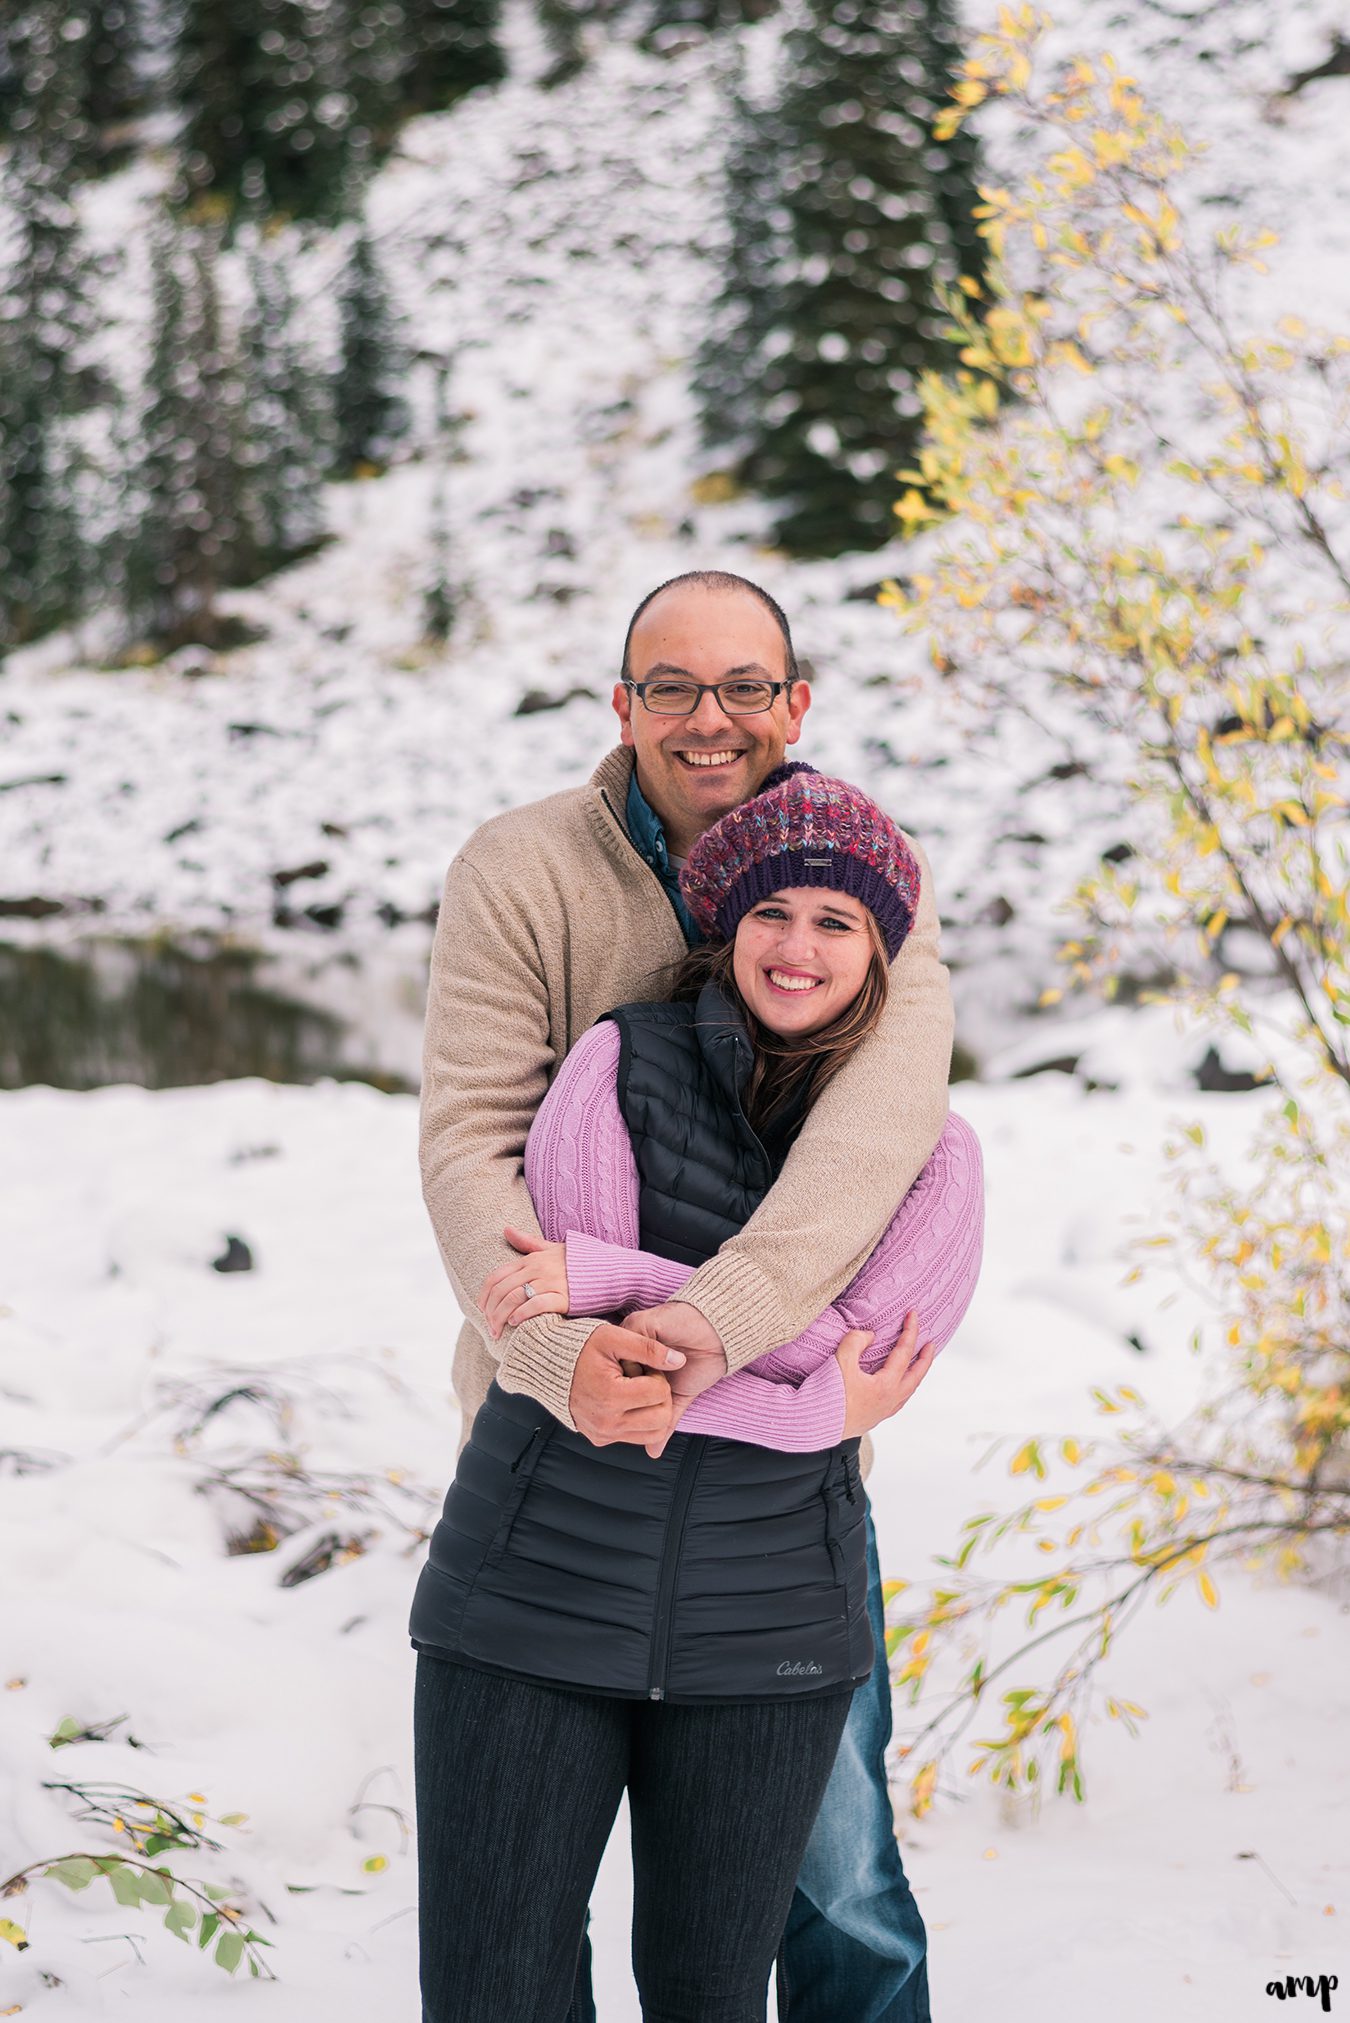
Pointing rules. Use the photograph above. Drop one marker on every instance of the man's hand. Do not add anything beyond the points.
(871, 1396)
(616, 1393)
(704, 1357)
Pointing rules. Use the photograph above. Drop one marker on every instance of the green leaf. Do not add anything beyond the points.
(65, 1731)
(76, 1873)
(230, 1950)
(125, 1885)
(214, 1890)
(158, 1841)
(180, 1917)
(208, 1930)
(154, 1888)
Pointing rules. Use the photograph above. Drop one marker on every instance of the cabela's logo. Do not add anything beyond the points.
(799, 1668)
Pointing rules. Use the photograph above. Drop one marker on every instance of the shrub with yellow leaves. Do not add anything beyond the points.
(1132, 507)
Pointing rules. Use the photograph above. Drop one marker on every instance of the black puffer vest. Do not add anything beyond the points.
(720, 1571)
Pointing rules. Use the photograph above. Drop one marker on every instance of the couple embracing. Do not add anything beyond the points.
(686, 1146)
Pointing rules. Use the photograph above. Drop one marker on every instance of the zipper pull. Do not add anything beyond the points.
(526, 1448)
(657, 1693)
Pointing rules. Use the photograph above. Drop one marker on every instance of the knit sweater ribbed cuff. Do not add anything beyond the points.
(739, 1301)
(540, 1359)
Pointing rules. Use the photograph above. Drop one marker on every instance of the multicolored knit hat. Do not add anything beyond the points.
(802, 828)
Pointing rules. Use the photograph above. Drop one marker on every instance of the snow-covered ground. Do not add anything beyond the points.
(563, 245)
(1206, 1861)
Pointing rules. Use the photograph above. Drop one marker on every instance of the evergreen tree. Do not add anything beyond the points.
(287, 449)
(375, 39)
(439, 601)
(450, 48)
(565, 22)
(370, 416)
(847, 215)
(266, 112)
(114, 97)
(99, 45)
(184, 541)
(662, 17)
(45, 319)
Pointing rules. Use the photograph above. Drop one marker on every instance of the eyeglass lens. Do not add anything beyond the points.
(681, 698)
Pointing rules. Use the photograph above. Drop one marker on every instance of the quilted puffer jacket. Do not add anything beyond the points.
(718, 1571)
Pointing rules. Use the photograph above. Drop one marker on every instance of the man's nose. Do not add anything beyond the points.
(709, 717)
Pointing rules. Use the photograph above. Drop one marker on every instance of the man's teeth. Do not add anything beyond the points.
(709, 758)
(785, 982)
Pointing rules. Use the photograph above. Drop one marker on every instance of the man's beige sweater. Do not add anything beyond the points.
(550, 916)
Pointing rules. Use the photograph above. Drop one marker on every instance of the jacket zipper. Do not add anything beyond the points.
(670, 1553)
(535, 1435)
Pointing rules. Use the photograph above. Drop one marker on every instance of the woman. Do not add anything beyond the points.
(686, 1621)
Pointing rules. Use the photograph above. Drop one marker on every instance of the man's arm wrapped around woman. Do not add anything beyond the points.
(583, 1180)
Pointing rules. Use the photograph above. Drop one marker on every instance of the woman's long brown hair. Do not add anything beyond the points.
(782, 1064)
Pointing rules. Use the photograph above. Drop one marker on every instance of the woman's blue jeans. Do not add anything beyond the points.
(855, 1949)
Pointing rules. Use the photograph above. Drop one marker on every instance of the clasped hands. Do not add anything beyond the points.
(633, 1382)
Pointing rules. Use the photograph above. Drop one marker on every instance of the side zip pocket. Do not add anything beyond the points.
(522, 1468)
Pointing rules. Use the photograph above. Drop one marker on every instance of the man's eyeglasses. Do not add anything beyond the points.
(740, 697)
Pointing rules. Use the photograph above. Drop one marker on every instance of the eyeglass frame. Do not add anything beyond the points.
(710, 688)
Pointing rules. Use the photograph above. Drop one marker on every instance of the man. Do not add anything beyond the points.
(556, 912)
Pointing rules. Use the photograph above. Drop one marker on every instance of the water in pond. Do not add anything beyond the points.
(167, 1012)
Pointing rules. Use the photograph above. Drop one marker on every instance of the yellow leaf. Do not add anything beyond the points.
(913, 508)
(14, 1933)
(1209, 1592)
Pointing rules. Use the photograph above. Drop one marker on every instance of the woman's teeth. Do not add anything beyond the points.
(709, 758)
(785, 982)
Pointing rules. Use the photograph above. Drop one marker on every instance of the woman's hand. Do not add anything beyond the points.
(871, 1396)
(544, 1267)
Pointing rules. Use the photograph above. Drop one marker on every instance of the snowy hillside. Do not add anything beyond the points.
(562, 246)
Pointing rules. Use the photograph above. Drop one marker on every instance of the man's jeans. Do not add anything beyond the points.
(854, 1949)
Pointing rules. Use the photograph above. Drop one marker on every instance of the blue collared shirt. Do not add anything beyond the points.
(645, 828)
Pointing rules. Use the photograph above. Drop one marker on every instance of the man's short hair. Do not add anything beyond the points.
(715, 579)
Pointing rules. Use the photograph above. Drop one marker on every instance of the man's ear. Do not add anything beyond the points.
(623, 710)
(799, 702)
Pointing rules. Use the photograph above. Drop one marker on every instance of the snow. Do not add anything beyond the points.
(562, 247)
(293, 1704)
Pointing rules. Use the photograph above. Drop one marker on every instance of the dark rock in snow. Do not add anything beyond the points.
(236, 1256)
(318, 868)
(1214, 1077)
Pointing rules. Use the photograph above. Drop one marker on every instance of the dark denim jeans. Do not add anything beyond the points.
(517, 1788)
(855, 1949)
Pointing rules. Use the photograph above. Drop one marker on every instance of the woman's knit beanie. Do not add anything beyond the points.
(802, 828)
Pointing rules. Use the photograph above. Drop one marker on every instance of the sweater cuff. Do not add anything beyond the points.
(540, 1360)
(602, 1277)
(736, 1298)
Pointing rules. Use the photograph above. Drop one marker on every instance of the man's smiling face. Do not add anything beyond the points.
(694, 768)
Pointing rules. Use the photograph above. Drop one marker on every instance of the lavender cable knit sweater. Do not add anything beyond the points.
(582, 1177)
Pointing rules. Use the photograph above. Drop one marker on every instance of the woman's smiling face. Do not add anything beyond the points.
(801, 957)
